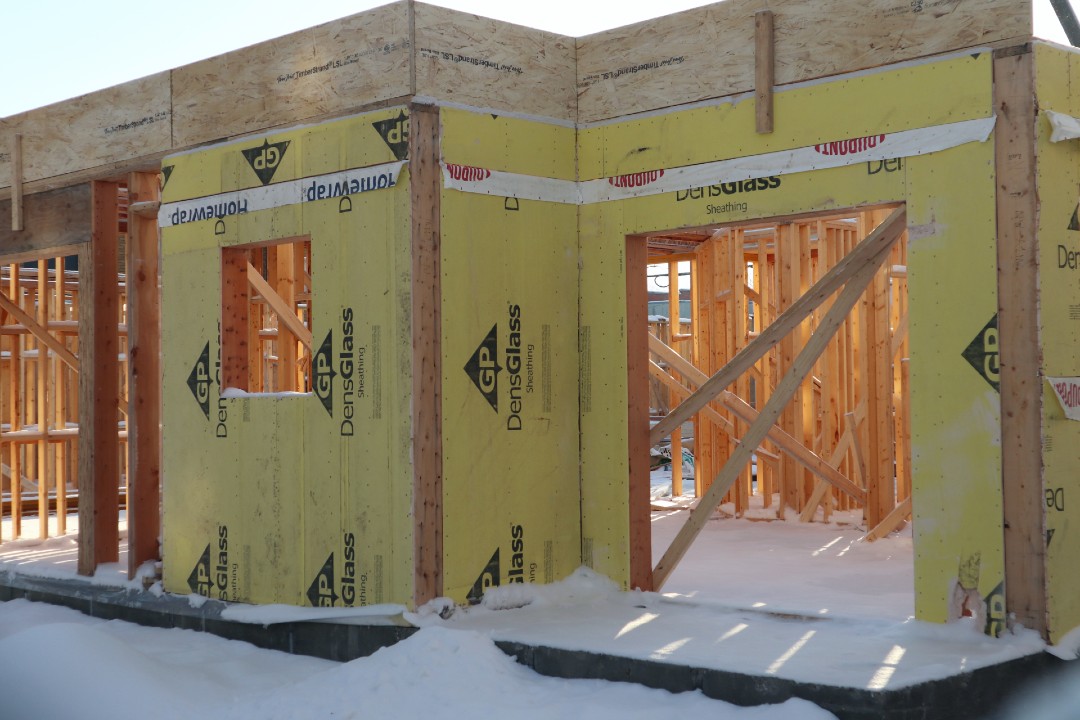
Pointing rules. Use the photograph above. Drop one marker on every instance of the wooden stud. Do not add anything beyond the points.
(41, 373)
(764, 70)
(99, 457)
(880, 464)
(856, 277)
(144, 374)
(15, 422)
(60, 371)
(425, 187)
(1018, 330)
(676, 330)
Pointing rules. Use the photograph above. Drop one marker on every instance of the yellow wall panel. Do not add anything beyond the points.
(1059, 319)
(499, 142)
(302, 498)
(509, 401)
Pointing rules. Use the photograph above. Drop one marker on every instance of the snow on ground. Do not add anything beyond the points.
(115, 671)
(807, 602)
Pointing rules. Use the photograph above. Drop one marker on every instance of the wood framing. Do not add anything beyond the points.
(884, 235)
(764, 70)
(235, 303)
(425, 185)
(856, 275)
(53, 222)
(1018, 323)
(637, 388)
(144, 374)
(17, 184)
(99, 391)
(709, 51)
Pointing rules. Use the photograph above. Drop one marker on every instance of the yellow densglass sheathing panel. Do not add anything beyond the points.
(916, 96)
(499, 142)
(509, 384)
(357, 465)
(955, 403)
(260, 160)
(301, 498)
(201, 500)
(1059, 316)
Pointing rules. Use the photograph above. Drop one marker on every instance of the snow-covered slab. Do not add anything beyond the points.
(587, 613)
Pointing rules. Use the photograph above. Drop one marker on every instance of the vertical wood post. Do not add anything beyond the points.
(17, 184)
(144, 375)
(1018, 328)
(99, 384)
(425, 187)
(235, 306)
(637, 431)
(764, 70)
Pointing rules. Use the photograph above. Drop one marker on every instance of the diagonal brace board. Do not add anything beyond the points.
(39, 332)
(281, 308)
(857, 276)
(883, 236)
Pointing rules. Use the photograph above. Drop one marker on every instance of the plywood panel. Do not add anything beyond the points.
(486, 63)
(56, 219)
(109, 126)
(334, 67)
(709, 52)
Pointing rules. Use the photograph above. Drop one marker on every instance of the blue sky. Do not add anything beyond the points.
(57, 49)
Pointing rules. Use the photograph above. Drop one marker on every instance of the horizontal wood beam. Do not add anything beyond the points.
(51, 221)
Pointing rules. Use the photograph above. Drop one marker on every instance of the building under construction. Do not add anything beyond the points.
(360, 315)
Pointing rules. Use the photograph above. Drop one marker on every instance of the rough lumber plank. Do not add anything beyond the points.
(708, 52)
(144, 373)
(99, 391)
(764, 70)
(425, 187)
(857, 277)
(637, 429)
(675, 328)
(114, 125)
(281, 307)
(1018, 324)
(17, 184)
(52, 221)
(331, 68)
(492, 64)
(41, 363)
(844, 444)
(795, 449)
(883, 236)
(235, 306)
(890, 522)
(881, 467)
